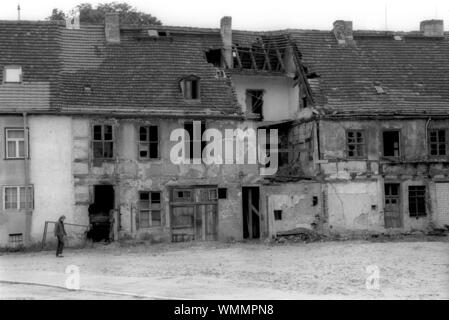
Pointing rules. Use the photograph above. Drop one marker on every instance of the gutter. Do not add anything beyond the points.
(26, 165)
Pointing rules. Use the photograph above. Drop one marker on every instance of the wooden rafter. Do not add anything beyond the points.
(237, 55)
(253, 59)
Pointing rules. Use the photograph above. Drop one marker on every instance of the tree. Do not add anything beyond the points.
(89, 14)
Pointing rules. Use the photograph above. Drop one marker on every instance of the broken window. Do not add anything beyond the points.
(192, 139)
(391, 143)
(190, 87)
(417, 201)
(214, 56)
(355, 143)
(222, 193)
(15, 144)
(437, 142)
(254, 101)
(149, 142)
(277, 214)
(12, 74)
(103, 141)
(17, 197)
(149, 209)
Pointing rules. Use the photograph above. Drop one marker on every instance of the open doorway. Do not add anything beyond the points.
(99, 213)
(251, 217)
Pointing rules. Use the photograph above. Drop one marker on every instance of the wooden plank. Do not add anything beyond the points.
(253, 59)
(281, 62)
(250, 215)
(237, 55)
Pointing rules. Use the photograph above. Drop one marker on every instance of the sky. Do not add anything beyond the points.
(398, 15)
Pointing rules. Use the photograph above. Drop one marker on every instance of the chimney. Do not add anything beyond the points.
(112, 27)
(432, 28)
(343, 32)
(226, 38)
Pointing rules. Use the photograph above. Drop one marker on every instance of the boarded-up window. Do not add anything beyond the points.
(417, 201)
(149, 209)
(391, 143)
(15, 144)
(437, 142)
(149, 142)
(17, 197)
(355, 142)
(103, 141)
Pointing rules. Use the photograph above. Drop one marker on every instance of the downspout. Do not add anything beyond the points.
(26, 163)
(427, 141)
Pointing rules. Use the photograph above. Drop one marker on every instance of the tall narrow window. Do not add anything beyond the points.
(254, 101)
(103, 141)
(355, 142)
(190, 87)
(15, 144)
(12, 74)
(417, 201)
(190, 127)
(437, 142)
(149, 142)
(17, 197)
(391, 143)
(149, 209)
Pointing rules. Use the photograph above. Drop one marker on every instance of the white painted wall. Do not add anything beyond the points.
(51, 171)
(281, 99)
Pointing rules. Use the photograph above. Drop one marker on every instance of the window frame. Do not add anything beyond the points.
(417, 197)
(12, 67)
(399, 142)
(26, 143)
(148, 142)
(150, 209)
(187, 95)
(364, 144)
(438, 143)
(18, 188)
(103, 141)
(249, 101)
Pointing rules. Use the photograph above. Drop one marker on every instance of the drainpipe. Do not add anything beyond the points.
(26, 163)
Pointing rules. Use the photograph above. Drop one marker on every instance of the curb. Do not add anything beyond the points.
(120, 293)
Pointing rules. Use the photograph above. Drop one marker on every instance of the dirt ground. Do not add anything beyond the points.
(211, 270)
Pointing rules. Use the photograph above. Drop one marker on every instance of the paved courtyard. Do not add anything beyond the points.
(211, 270)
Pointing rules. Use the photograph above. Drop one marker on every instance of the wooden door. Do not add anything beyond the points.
(392, 210)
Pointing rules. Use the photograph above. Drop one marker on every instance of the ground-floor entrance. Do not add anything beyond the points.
(194, 213)
(100, 219)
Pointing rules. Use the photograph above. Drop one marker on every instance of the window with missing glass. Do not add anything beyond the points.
(254, 101)
(17, 197)
(149, 142)
(437, 142)
(15, 143)
(149, 209)
(417, 201)
(103, 141)
(355, 143)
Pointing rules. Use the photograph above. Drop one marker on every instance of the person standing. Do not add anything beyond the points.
(60, 234)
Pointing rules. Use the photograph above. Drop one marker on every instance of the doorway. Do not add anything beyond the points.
(99, 213)
(250, 209)
(392, 211)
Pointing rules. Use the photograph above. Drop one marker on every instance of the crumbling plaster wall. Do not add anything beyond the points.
(129, 175)
(296, 200)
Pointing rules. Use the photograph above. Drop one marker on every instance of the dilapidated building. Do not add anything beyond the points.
(88, 111)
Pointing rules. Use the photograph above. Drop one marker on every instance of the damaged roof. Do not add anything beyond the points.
(82, 73)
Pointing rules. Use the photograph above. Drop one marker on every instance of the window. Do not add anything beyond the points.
(254, 101)
(15, 144)
(149, 209)
(149, 142)
(222, 193)
(355, 142)
(17, 197)
(191, 140)
(12, 74)
(437, 142)
(103, 142)
(391, 143)
(277, 214)
(190, 87)
(417, 201)
(182, 195)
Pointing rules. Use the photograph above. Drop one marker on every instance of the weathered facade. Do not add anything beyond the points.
(87, 115)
